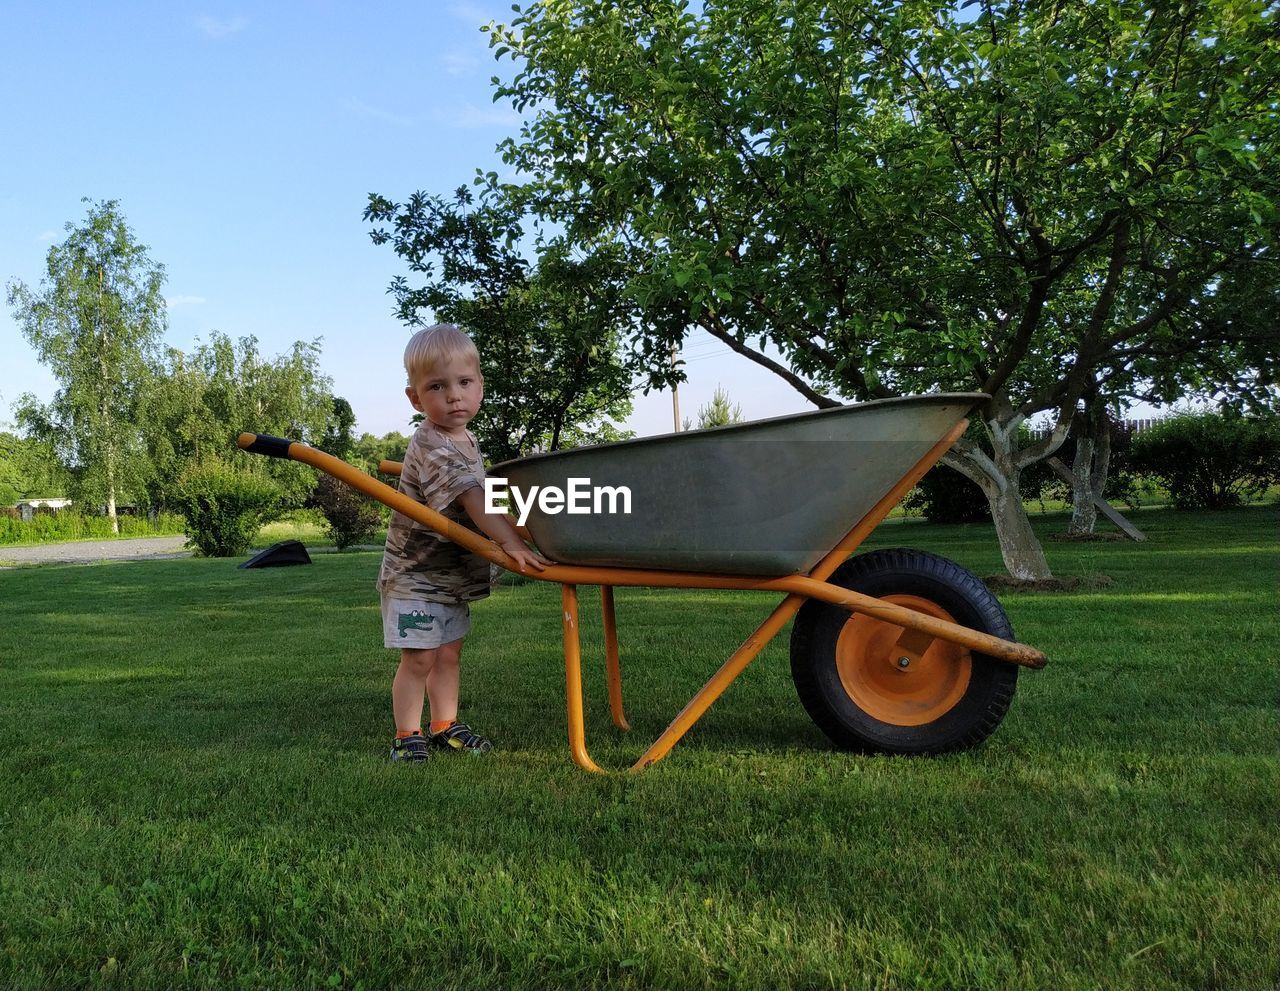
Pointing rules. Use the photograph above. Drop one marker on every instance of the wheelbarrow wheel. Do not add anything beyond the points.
(854, 684)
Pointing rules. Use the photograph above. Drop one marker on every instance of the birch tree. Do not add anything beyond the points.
(95, 320)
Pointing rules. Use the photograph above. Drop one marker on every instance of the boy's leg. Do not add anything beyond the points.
(409, 688)
(442, 690)
(442, 683)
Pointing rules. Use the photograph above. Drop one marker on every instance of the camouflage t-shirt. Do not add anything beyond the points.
(418, 563)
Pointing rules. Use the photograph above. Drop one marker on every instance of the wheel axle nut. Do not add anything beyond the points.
(904, 662)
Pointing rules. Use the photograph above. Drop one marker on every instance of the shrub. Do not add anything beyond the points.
(946, 496)
(350, 516)
(1211, 460)
(224, 507)
(48, 526)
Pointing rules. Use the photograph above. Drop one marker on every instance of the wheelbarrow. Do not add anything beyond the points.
(896, 651)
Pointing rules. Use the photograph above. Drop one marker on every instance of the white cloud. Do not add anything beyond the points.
(468, 116)
(459, 63)
(358, 106)
(46, 235)
(215, 28)
(174, 301)
(471, 13)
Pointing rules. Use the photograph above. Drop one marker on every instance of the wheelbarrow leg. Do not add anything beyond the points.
(612, 664)
(573, 680)
(720, 681)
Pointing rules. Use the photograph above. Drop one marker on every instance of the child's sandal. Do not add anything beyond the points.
(459, 737)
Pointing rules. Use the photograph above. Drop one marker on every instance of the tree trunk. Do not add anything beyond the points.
(1089, 467)
(111, 492)
(1084, 515)
(1023, 556)
(997, 474)
(1101, 458)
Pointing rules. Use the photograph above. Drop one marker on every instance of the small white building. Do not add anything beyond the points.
(27, 507)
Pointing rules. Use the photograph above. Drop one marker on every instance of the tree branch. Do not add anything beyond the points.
(713, 326)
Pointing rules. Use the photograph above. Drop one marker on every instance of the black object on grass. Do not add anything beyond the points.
(279, 555)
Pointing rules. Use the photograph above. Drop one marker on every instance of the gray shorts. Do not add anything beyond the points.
(420, 625)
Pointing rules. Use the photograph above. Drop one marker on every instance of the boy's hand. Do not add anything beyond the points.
(525, 556)
(499, 529)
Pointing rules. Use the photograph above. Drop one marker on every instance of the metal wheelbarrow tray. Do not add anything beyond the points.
(896, 651)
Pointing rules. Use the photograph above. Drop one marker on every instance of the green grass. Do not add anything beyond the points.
(193, 791)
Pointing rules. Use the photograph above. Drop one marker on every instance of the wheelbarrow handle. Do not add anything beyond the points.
(272, 447)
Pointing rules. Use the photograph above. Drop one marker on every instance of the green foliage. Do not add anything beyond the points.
(368, 450)
(67, 524)
(350, 516)
(720, 412)
(338, 439)
(199, 403)
(224, 506)
(946, 496)
(30, 466)
(95, 320)
(1211, 460)
(901, 198)
(548, 334)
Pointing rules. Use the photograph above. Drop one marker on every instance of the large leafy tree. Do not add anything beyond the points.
(369, 449)
(95, 320)
(1037, 201)
(338, 438)
(199, 402)
(547, 332)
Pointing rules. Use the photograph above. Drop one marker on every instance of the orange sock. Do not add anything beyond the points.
(402, 733)
(440, 725)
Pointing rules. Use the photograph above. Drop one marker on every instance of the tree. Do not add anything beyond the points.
(338, 439)
(95, 321)
(198, 403)
(1027, 200)
(29, 468)
(719, 412)
(547, 333)
(370, 450)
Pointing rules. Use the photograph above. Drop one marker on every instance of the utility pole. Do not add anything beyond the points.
(675, 392)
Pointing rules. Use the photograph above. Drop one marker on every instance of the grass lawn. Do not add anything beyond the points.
(194, 792)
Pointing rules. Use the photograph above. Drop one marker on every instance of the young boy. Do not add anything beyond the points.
(427, 581)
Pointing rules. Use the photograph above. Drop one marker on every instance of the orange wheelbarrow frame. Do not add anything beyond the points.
(918, 629)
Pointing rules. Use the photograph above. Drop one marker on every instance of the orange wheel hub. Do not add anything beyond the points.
(913, 694)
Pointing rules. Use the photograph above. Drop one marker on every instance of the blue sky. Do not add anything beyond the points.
(242, 142)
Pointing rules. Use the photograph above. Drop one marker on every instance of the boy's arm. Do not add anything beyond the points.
(499, 527)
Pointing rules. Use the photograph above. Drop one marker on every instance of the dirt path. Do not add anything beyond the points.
(87, 551)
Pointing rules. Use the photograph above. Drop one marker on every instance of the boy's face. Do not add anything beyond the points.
(448, 394)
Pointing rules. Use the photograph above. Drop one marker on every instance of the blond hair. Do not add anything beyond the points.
(435, 346)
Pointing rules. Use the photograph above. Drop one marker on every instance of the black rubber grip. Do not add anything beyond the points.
(272, 447)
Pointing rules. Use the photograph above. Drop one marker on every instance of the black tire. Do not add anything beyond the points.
(970, 718)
